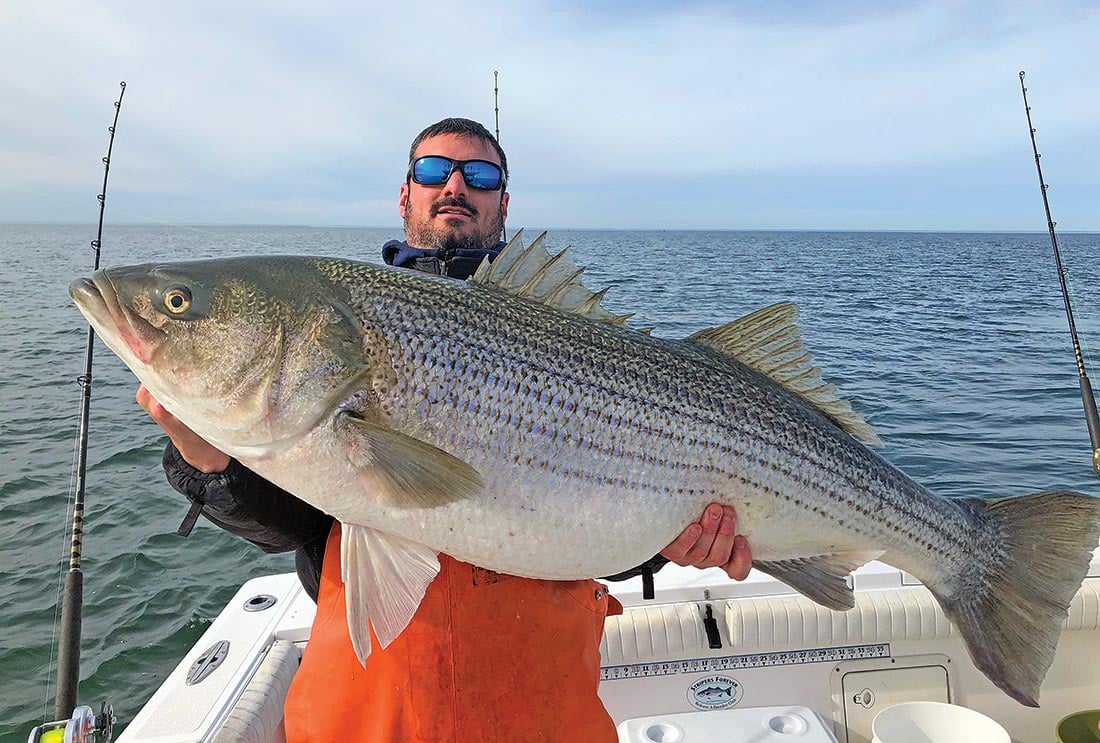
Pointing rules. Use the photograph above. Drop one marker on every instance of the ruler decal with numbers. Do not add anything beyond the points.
(756, 660)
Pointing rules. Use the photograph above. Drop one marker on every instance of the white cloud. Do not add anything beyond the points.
(649, 116)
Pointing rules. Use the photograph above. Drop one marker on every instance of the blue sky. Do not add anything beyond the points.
(729, 115)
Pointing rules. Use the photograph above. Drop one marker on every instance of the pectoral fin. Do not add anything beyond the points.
(405, 472)
(822, 578)
(385, 577)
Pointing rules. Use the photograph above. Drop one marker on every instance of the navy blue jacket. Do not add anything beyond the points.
(458, 264)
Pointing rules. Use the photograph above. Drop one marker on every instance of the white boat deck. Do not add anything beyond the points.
(775, 649)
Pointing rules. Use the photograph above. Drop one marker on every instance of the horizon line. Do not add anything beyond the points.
(929, 230)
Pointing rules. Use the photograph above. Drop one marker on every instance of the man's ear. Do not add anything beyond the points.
(504, 206)
(403, 199)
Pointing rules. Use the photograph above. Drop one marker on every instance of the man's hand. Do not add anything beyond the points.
(713, 542)
(194, 450)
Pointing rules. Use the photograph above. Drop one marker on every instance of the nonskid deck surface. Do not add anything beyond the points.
(704, 643)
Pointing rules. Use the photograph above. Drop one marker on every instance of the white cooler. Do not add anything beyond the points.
(749, 725)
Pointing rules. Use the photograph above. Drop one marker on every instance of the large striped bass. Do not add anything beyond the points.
(512, 422)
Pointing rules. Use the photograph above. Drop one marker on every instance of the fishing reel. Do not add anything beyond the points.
(83, 727)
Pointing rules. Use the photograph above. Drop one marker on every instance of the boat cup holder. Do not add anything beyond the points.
(787, 723)
(664, 732)
(260, 602)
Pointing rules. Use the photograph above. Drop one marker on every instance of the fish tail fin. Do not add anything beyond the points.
(1010, 606)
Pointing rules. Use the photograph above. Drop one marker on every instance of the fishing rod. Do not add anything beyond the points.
(68, 651)
(496, 105)
(496, 125)
(1087, 398)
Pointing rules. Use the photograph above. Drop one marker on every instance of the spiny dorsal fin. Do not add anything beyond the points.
(555, 280)
(768, 341)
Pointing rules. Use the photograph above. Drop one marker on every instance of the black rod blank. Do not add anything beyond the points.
(1092, 419)
(72, 600)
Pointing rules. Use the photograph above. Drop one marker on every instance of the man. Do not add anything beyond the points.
(486, 656)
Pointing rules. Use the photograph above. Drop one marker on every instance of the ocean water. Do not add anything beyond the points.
(954, 346)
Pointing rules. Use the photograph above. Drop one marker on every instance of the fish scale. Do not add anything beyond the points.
(482, 420)
(523, 350)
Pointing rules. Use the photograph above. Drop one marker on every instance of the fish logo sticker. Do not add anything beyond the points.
(714, 692)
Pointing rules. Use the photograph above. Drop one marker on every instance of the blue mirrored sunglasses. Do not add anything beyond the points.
(434, 170)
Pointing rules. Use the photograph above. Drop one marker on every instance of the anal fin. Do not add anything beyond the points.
(822, 578)
(385, 577)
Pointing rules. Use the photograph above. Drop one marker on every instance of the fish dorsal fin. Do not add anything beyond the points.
(555, 280)
(768, 340)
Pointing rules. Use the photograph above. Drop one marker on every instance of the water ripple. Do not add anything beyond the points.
(953, 345)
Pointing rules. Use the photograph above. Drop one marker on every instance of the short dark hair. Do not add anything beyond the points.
(464, 128)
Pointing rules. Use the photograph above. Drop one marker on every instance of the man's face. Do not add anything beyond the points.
(453, 215)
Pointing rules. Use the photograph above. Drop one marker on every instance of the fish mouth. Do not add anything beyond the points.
(119, 327)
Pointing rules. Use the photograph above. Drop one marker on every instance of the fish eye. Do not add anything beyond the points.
(177, 300)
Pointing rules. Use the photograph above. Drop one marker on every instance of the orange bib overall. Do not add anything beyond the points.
(486, 657)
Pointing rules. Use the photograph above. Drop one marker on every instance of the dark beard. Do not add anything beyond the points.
(452, 242)
(482, 238)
